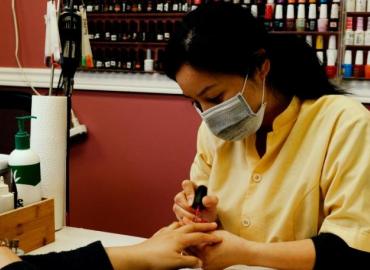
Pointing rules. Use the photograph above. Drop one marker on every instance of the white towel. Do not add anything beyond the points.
(52, 40)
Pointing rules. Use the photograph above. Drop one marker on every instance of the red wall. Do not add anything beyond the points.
(30, 16)
(139, 146)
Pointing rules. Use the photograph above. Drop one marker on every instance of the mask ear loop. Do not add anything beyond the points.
(263, 90)
(245, 83)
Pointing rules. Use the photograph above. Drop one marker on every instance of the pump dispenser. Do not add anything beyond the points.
(25, 166)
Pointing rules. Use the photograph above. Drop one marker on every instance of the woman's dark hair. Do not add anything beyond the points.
(226, 38)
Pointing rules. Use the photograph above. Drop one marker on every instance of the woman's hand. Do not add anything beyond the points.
(232, 250)
(183, 201)
(165, 249)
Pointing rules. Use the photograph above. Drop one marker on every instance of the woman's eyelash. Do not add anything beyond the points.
(214, 99)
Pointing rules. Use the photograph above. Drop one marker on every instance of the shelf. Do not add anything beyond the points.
(357, 47)
(316, 33)
(116, 70)
(135, 15)
(129, 43)
(356, 79)
(358, 14)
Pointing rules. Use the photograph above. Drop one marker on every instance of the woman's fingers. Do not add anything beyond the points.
(188, 188)
(181, 213)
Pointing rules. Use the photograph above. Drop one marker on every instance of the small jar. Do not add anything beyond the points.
(4, 169)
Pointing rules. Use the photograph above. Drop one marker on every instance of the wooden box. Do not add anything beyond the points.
(33, 225)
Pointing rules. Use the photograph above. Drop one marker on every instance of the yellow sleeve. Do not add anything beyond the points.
(345, 182)
(201, 167)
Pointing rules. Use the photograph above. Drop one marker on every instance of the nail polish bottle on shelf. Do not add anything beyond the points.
(367, 32)
(347, 64)
(323, 20)
(359, 33)
(334, 18)
(290, 21)
(349, 35)
(309, 40)
(279, 20)
(367, 67)
(358, 69)
(360, 6)
(301, 21)
(269, 15)
(350, 5)
(148, 63)
(311, 24)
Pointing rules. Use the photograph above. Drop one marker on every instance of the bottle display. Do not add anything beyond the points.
(123, 33)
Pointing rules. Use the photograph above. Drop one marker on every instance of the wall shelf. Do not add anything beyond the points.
(135, 15)
(129, 43)
(316, 33)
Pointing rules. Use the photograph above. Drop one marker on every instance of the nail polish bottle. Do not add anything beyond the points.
(290, 21)
(320, 48)
(360, 6)
(323, 20)
(160, 31)
(349, 35)
(99, 33)
(159, 7)
(115, 31)
(359, 33)
(368, 6)
(350, 5)
(176, 6)
(148, 63)
(311, 24)
(320, 56)
(334, 18)
(358, 69)
(309, 40)
(168, 30)
(367, 67)
(254, 10)
(92, 29)
(319, 42)
(279, 20)
(143, 31)
(107, 56)
(149, 6)
(98, 57)
(347, 64)
(300, 21)
(331, 56)
(332, 45)
(113, 62)
(331, 68)
(269, 15)
(107, 27)
(312, 1)
(117, 57)
(367, 32)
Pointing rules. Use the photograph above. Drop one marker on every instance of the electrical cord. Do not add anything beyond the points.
(17, 47)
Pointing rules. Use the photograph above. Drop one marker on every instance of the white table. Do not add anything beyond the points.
(71, 238)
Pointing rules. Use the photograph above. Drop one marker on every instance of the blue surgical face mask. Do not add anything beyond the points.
(233, 119)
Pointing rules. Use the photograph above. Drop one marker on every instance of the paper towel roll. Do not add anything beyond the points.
(49, 141)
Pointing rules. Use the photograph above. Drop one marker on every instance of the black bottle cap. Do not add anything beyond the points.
(200, 192)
